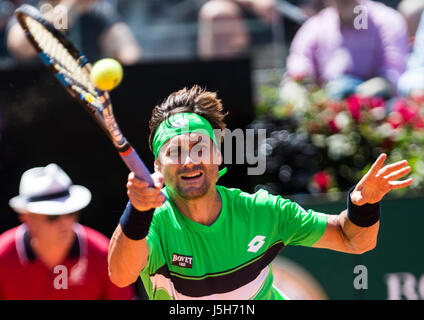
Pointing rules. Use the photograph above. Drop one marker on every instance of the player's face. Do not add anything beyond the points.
(189, 164)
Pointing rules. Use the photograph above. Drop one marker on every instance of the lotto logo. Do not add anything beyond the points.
(256, 243)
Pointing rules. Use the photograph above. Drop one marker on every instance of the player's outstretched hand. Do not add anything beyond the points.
(143, 197)
(379, 180)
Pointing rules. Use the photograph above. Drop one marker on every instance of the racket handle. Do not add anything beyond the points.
(136, 165)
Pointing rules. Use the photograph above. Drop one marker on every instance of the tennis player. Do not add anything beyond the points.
(211, 242)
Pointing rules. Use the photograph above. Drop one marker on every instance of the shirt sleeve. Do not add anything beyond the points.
(292, 224)
(299, 227)
(300, 61)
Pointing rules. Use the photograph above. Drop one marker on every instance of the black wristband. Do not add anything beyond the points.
(365, 215)
(135, 224)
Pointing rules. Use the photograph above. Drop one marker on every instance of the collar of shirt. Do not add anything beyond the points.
(27, 254)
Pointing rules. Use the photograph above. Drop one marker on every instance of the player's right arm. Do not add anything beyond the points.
(128, 255)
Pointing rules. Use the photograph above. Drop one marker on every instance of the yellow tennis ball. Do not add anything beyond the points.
(106, 74)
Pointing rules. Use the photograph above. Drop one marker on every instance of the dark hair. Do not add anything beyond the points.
(195, 100)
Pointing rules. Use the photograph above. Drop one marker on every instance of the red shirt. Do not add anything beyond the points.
(82, 276)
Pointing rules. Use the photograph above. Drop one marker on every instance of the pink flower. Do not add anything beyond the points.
(322, 180)
(418, 98)
(375, 102)
(395, 119)
(407, 111)
(333, 126)
(418, 123)
(354, 106)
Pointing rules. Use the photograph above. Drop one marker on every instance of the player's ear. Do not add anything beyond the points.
(156, 165)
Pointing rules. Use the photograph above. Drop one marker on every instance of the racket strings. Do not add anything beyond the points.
(62, 60)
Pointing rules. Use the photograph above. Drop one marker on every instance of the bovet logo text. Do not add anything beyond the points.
(182, 261)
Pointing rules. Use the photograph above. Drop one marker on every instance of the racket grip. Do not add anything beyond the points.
(136, 165)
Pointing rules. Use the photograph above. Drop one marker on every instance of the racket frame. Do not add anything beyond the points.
(102, 113)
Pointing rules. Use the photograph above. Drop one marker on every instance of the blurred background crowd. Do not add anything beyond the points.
(170, 29)
(334, 82)
(188, 29)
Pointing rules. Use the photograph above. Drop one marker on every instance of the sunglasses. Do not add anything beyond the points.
(56, 217)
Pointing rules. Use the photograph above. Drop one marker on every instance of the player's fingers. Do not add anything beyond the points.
(400, 184)
(144, 202)
(158, 179)
(391, 168)
(377, 164)
(156, 204)
(136, 181)
(136, 188)
(143, 192)
(154, 198)
(398, 174)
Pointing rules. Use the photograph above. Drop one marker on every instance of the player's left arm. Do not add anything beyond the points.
(355, 230)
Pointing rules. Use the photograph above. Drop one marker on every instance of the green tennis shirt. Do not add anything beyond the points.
(230, 259)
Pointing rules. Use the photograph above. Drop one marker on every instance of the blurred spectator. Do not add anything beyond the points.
(51, 256)
(7, 9)
(310, 7)
(185, 28)
(165, 28)
(411, 83)
(292, 21)
(93, 26)
(222, 30)
(411, 11)
(351, 46)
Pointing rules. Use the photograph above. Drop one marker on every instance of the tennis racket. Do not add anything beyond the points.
(72, 69)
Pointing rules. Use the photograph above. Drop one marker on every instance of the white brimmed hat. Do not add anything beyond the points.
(49, 190)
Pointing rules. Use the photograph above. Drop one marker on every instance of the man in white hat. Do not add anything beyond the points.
(50, 255)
